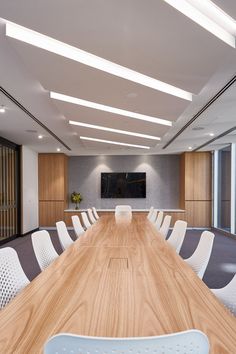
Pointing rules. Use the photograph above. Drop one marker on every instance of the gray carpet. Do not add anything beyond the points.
(220, 271)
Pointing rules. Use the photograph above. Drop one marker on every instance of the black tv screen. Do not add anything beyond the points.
(123, 185)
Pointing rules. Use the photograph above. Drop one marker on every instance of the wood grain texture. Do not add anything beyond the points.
(175, 216)
(84, 292)
(198, 213)
(196, 188)
(50, 212)
(202, 176)
(52, 188)
(189, 175)
(52, 172)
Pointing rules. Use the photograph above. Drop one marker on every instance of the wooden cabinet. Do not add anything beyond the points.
(196, 188)
(52, 188)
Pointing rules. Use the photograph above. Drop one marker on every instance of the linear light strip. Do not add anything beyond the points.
(197, 16)
(118, 131)
(114, 142)
(101, 107)
(216, 14)
(54, 46)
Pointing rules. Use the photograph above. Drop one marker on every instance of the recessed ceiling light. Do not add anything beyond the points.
(54, 46)
(114, 142)
(2, 109)
(205, 17)
(118, 131)
(101, 107)
(58, 149)
(190, 148)
(211, 134)
(40, 137)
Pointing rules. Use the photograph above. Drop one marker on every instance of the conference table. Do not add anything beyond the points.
(120, 279)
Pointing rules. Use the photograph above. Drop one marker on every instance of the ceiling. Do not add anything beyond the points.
(155, 40)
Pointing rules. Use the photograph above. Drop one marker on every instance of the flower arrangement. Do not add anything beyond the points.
(76, 198)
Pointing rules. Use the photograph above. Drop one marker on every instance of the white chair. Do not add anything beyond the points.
(165, 226)
(227, 295)
(159, 220)
(95, 213)
(12, 276)
(200, 258)
(78, 228)
(123, 210)
(176, 238)
(43, 248)
(150, 212)
(192, 341)
(91, 217)
(64, 237)
(153, 217)
(85, 220)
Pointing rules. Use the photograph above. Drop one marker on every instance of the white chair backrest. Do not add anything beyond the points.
(153, 217)
(123, 210)
(91, 217)
(159, 220)
(12, 276)
(200, 258)
(150, 212)
(165, 226)
(78, 228)
(177, 235)
(64, 237)
(43, 248)
(85, 220)
(227, 295)
(192, 341)
(95, 213)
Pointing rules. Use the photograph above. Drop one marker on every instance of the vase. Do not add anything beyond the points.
(76, 207)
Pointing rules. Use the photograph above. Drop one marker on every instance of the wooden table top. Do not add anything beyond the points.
(118, 280)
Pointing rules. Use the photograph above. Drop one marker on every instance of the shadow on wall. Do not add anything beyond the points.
(162, 179)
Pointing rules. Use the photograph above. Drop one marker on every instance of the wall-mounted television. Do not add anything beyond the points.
(123, 185)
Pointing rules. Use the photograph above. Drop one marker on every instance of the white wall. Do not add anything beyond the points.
(29, 190)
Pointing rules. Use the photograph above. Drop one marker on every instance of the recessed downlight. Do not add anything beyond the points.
(2, 109)
(118, 131)
(114, 142)
(60, 48)
(58, 149)
(101, 107)
(40, 136)
(211, 134)
(190, 148)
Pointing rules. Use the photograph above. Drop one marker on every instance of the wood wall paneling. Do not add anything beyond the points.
(52, 176)
(50, 212)
(196, 188)
(53, 197)
(202, 176)
(189, 176)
